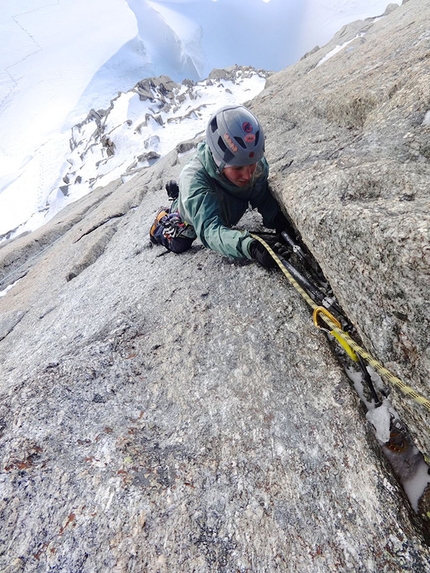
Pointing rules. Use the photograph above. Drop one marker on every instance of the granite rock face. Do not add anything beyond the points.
(164, 412)
(349, 146)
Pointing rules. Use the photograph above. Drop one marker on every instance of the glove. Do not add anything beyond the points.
(283, 224)
(261, 255)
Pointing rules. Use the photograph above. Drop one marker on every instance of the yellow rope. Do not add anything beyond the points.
(381, 370)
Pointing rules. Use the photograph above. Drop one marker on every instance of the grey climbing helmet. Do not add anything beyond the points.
(235, 137)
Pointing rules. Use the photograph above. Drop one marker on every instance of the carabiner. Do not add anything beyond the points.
(321, 310)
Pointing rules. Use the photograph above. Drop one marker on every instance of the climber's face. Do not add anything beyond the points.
(240, 176)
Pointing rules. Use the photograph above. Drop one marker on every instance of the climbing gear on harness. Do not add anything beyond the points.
(173, 225)
(161, 213)
(235, 137)
(170, 231)
(170, 225)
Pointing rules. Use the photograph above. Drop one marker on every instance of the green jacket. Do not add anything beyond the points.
(212, 204)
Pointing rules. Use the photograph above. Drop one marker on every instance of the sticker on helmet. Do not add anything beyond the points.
(247, 127)
(249, 138)
(230, 143)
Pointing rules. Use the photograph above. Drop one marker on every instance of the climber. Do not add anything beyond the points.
(228, 173)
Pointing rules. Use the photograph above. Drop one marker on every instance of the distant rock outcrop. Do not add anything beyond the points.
(171, 413)
(98, 145)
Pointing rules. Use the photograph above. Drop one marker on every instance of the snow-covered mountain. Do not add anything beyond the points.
(139, 127)
(62, 59)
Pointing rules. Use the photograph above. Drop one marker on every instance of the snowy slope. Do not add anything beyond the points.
(141, 126)
(61, 59)
(47, 64)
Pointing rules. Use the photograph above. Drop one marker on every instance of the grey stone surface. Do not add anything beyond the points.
(349, 146)
(173, 413)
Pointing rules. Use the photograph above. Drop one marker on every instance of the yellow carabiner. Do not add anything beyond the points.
(322, 310)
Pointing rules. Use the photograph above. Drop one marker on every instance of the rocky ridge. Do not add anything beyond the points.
(181, 413)
(97, 143)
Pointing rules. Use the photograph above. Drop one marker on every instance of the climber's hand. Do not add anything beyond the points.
(261, 255)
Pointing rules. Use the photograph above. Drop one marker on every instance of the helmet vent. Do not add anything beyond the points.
(222, 145)
(227, 154)
(214, 125)
(240, 142)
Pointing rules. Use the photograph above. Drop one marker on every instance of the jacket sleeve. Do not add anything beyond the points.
(201, 208)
